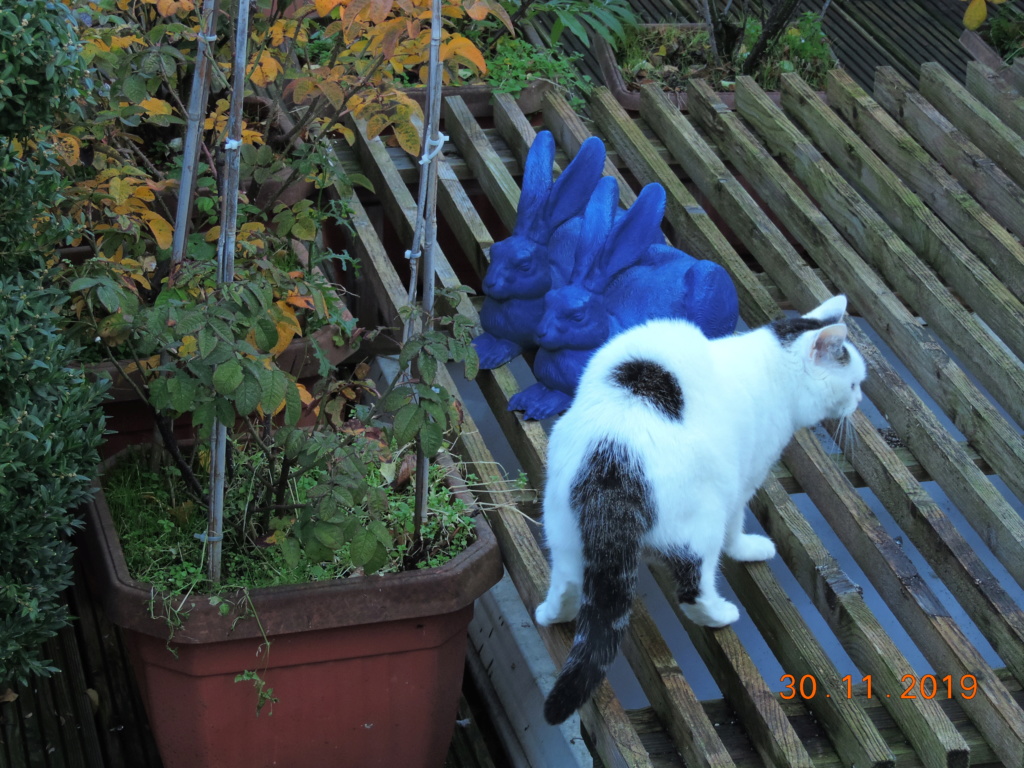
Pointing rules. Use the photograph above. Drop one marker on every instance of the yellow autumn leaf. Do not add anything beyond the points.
(171, 7)
(69, 148)
(120, 190)
(975, 15)
(212, 234)
(119, 42)
(324, 7)
(162, 230)
(266, 69)
(189, 346)
(154, 107)
(145, 365)
(463, 47)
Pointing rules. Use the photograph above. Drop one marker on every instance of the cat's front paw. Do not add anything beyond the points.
(716, 612)
(751, 548)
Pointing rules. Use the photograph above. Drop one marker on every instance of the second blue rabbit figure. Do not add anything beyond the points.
(606, 270)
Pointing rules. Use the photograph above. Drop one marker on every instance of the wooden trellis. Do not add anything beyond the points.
(907, 205)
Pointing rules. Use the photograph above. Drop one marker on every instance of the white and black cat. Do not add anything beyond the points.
(668, 437)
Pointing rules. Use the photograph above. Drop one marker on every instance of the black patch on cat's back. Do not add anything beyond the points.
(652, 382)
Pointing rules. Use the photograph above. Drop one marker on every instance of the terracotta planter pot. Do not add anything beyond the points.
(367, 670)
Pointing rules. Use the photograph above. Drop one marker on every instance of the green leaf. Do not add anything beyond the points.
(409, 351)
(207, 342)
(227, 377)
(407, 423)
(431, 438)
(381, 533)
(291, 550)
(304, 229)
(363, 548)
(330, 535)
(247, 396)
(428, 367)
(266, 333)
(292, 404)
(472, 364)
(394, 400)
(274, 385)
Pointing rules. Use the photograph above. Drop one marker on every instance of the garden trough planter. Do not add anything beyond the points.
(367, 671)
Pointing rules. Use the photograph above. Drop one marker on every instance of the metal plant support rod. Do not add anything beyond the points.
(226, 274)
(425, 236)
(201, 77)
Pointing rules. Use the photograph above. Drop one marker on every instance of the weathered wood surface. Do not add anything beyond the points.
(872, 209)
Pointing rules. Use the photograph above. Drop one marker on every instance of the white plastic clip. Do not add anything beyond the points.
(433, 148)
(412, 256)
(208, 38)
(230, 144)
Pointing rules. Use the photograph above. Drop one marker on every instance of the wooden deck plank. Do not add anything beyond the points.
(885, 251)
(570, 131)
(992, 242)
(906, 213)
(874, 651)
(977, 121)
(670, 694)
(841, 603)
(920, 612)
(992, 90)
(955, 561)
(695, 232)
(999, 194)
(736, 675)
(855, 738)
(915, 423)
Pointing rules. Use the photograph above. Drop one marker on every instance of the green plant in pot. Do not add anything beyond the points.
(360, 667)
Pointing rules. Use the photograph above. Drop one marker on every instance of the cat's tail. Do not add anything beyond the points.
(615, 508)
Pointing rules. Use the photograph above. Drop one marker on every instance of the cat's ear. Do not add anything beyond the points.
(831, 310)
(828, 344)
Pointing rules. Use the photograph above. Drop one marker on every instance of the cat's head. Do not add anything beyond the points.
(832, 369)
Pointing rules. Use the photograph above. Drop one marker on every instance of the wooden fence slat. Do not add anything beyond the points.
(841, 603)
(856, 740)
(970, 581)
(764, 720)
(994, 189)
(696, 233)
(977, 121)
(916, 424)
(527, 438)
(454, 205)
(905, 213)
(570, 130)
(487, 166)
(671, 696)
(887, 253)
(993, 91)
(927, 728)
(944, 194)
(937, 636)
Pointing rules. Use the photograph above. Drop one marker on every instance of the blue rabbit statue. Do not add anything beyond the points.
(623, 275)
(521, 273)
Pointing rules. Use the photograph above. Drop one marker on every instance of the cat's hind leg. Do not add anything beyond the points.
(696, 590)
(746, 547)
(566, 589)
